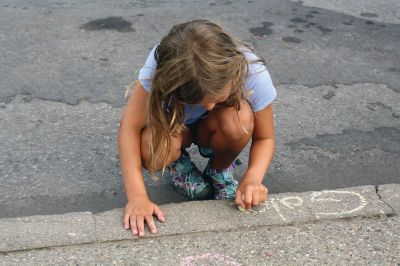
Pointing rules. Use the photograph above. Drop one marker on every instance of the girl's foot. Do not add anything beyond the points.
(223, 181)
(188, 180)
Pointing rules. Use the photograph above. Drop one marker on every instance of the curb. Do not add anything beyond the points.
(24, 233)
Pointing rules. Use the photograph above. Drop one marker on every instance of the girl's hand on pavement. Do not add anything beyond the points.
(138, 210)
(250, 193)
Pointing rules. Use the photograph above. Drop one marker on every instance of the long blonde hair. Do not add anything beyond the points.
(195, 59)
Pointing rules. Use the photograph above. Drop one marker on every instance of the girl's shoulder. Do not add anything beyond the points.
(249, 53)
(146, 73)
(261, 90)
(255, 62)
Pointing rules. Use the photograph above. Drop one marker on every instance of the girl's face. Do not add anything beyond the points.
(210, 101)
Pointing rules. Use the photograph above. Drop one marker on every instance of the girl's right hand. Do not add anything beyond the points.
(139, 209)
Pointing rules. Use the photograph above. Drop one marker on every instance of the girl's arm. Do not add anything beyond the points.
(132, 122)
(263, 144)
(139, 208)
(251, 191)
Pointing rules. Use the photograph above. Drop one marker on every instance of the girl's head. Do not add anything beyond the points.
(197, 64)
(196, 59)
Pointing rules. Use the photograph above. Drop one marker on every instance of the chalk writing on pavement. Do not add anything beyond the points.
(335, 203)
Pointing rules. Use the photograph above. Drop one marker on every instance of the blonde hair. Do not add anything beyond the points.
(195, 59)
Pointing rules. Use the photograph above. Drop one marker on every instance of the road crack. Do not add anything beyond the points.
(381, 199)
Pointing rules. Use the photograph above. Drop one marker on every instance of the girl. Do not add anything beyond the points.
(200, 86)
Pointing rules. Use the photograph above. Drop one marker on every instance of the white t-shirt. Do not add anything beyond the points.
(258, 83)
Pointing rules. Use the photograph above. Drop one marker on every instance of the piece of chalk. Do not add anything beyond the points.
(241, 208)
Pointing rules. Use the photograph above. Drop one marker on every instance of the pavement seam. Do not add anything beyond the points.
(242, 228)
(334, 85)
(381, 199)
(27, 97)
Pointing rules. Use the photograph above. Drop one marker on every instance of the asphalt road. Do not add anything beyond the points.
(63, 73)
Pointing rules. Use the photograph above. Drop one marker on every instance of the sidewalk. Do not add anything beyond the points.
(346, 226)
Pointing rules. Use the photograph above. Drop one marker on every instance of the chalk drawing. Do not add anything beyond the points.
(363, 201)
(209, 258)
(287, 201)
(276, 207)
(296, 202)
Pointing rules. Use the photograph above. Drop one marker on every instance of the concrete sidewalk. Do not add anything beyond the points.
(353, 225)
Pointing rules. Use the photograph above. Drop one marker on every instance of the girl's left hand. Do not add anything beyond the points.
(250, 193)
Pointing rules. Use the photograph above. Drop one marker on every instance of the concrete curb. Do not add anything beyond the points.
(198, 216)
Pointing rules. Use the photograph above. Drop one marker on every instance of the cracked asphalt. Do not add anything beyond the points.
(65, 67)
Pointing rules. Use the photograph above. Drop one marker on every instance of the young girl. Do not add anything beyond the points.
(200, 86)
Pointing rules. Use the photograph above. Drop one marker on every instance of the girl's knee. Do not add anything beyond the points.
(173, 154)
(236, 125)
(145, 147)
